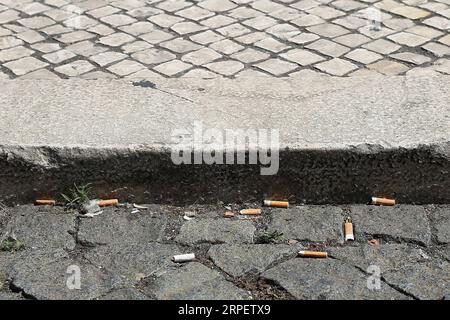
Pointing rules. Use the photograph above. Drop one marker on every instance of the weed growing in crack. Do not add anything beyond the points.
(11, 244)
(270, 237)
(78, 196)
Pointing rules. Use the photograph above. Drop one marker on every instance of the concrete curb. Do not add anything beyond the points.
(342, 140)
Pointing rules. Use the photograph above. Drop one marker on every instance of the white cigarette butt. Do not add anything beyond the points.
(183, 257)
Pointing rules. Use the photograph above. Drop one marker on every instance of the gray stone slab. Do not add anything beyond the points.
(405, 222)
(125, 294)
(312, 223)
(42, 227)
(216, 231)
(238, 260)
(43, 275)
(132, 260)
(326, 279)
(441, 223)
(115, 226)
(194, 281)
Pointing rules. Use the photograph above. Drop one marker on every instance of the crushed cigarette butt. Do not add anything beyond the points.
(374, 242)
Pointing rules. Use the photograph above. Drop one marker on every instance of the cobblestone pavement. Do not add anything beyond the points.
(125, 255)
(212, 38)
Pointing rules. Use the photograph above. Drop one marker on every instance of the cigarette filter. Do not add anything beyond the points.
(348, 230)
(228, 214)
(383, 201)
(313, 254)
(183, 257)
(250, 211)
(109, 202)
(277, 204)
(41, 202)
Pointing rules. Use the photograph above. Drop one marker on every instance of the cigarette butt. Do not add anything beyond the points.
(348, 230)
(292, 241)
(42, 202)
(313, 254)
(374, 242)
(183, 257)
(109, 202)
(383, 201)
(277, 204)
(228, 214)
(250, 211)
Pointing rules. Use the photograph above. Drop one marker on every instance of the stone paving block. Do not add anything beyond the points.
(286, 14)
(226, 68)
(165, 20)
(85, 48)
(238, 260)
(76, 68)
(336, 67)
(103, 11)
(250, 55)
(260, 22)
(39, 229)
(180, 45)
(328, 48)
(135, 46)
(187, 27)
(80, 22)
(116, 39)
(58, 56)
(328, 30)
(30, 36)
(36, 22)
(138, 28)
(202, 56)
(217, 5)
(308, 20)
(276, 67)
(302, 57)
(388, 67)
(156, 36)
(143, 12)
(25, 65)
(445, 40)
(398, 24)
(406, 222)
(41, 74)
(8, 16)
(251, 37)
(206, 37)
(14, 53)
(233, 30)
(304, 37)
(441, 224)
(410, 57)
(442, 65)
(439, 50)
(283, 31)
(440, 23)
(326, 279)
(153, 56)
(423, 31)
(325, 12)
(363, 56)
(226, 46)
(410, 12)
(195, 13)
(121, 227)
(382, 46)
(216, 231)
(244, 13)
(217, 21)
(271, 44)
(352, 40)
(310, 223)
(76, 36)
(108, 57)
(9, 42)
(172, 67)
(194, 281)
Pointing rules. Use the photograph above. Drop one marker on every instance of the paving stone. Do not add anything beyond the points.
(410, 57)
(187, 27)
(201, 57)
(326, 279)
(206, 37)
(445, 40)
(200, 74)
(302, 57)
(304, 37)
(367, 30)
(116, 39)
(8, 16)
(133, 259)
(350, 22)
(325, 12)
(195, 13)
(266, 6)
(271, 44)
(410, 12)
(36, 22)
(441, 224)
(238, 260)
(398, 24)
(217, 5)
(216, 231)
(217, 21)
(348, 5)
(328, 48)
(117, 20)
(234, 30)
(135, 46)
(244, 13)
(352, 40)
(9, 42)
(382, 46)
(50, 283)
(59, 15)
(408, 39)
(80, 22)
(388, 67)
(75, 68)
(438, 22)
(25, 65)
(4, 32)
(172, 6)
(39, 230)
(442, 65)
(76, 36)
(138, 28)
(85, 48)
(41, 74)
(423, 31)
(286, 14)
(283, 31)
(405, 222)
(276, 67)
(437, 49)
(30, 36)
(251, 37)
(180, 45)
(194, 281)
(58, 56)
(250, 55)
(172, 67)
(55, 29)
(308, 20)
(103, 11)
(143, 12)
(156, 36)
(312, 223)
(129, 4)
(305, 4)
(260, 23)
(153, 56)
(165, 20)
(336, 66)
(226, 46)
(327, 30)
(108, 57)
(363, 56)
(114, 227)
(14, 53)
(422, 72)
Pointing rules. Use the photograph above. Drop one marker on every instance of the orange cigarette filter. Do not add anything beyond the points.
(251, 211)
(277, 204)
(43, 202)
(109, 202)
(348, 229)
(313, 254)
(383, 201)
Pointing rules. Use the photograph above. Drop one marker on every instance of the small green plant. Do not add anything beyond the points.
(270, 237)
(11, 244)
(78, 196)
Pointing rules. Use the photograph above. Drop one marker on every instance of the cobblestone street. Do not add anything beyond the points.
(231, 38)
(125, 255)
